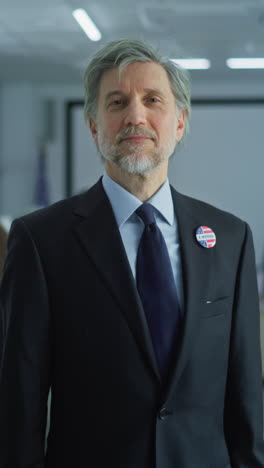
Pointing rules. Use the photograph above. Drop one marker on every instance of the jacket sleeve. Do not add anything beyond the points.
(243, 405)
(25, 361)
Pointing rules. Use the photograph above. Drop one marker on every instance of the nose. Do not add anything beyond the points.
(135, 113)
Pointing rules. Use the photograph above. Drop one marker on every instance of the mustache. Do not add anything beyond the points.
(130, 131)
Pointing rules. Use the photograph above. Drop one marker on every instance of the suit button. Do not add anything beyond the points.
(164, 413)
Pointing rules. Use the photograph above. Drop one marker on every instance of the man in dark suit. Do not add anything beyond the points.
(135, 304)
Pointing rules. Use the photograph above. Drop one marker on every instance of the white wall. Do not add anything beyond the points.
(21, 118)
(18, 144)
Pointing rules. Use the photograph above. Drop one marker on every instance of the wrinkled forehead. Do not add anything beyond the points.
(136, 76)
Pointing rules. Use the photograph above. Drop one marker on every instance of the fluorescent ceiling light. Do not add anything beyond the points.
(245, 63)
(87, 24)
(193, 64)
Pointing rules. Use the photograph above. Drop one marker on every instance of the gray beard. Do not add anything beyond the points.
(134, 161)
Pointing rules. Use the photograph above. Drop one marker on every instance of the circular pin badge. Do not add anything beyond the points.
(205, 236)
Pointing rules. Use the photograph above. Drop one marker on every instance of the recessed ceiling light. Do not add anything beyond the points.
(245, 63)
(87, 24)
(193, 64)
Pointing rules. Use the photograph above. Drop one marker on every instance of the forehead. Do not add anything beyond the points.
(136, 76)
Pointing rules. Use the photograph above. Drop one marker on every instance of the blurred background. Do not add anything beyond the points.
(46, 152)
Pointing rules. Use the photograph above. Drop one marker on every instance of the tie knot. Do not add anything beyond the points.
(146, 213)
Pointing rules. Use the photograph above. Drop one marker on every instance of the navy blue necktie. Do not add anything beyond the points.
(157, 288)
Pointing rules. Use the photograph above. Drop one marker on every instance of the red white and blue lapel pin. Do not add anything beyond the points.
(205, 236)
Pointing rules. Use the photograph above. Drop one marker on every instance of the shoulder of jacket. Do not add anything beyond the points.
(208, 211)
(58, 212)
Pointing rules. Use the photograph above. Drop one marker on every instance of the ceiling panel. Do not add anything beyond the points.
(214, 29)
(37, 19)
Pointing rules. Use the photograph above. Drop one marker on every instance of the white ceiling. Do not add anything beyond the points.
(44, 43)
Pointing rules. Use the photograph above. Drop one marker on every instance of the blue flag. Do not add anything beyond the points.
(41, 197)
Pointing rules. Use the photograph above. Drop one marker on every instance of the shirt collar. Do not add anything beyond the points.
(124, 204)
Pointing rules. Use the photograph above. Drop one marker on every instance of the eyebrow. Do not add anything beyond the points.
(154, 91)
(113, 93)
(147, 90)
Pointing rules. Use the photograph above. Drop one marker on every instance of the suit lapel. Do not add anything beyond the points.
(196, 263)
(100, 237)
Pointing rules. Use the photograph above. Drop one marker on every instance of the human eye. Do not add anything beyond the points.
(153, 99)
(117, 102)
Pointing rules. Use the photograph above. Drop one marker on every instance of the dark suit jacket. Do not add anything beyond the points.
(72, 319)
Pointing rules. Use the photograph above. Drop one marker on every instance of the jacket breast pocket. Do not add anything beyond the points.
(215, 307)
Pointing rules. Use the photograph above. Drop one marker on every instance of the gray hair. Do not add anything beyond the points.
(120, 54)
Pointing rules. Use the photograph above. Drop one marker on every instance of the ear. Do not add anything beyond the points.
(181, 122)
(93, 128)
